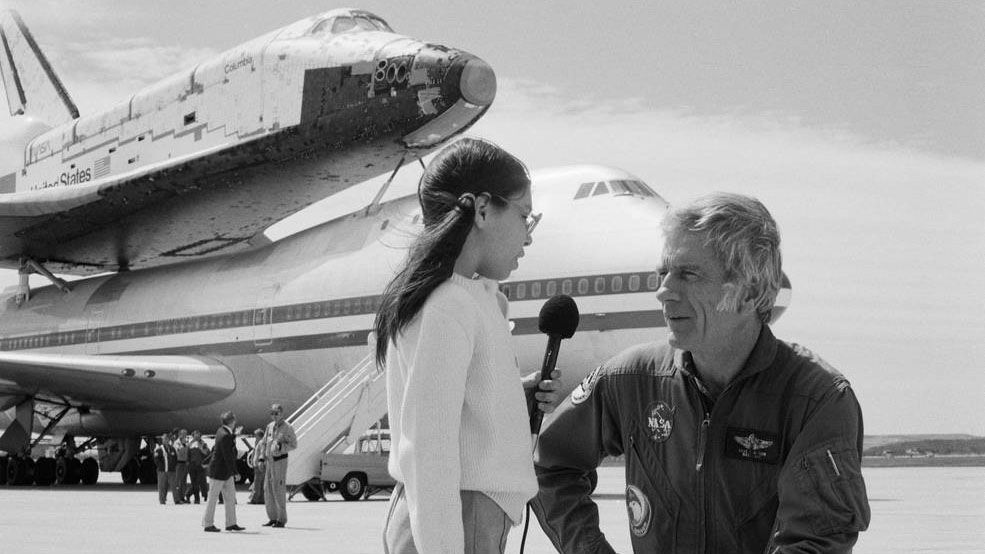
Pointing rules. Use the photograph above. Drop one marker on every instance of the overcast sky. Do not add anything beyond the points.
(860, 125)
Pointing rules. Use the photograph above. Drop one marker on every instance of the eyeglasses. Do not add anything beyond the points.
(529, 220)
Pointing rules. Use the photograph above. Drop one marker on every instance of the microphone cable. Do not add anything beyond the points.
(558, 319)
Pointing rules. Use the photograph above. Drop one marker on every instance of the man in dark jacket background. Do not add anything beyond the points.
(165, 462)
(734, 440)
(222, 476)
(197, 453)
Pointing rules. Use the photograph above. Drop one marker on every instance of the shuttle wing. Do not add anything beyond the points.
(133, 383)
(60, 225)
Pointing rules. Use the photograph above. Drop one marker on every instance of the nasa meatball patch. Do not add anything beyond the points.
(640, 511)
(584, 389)
(660, 421)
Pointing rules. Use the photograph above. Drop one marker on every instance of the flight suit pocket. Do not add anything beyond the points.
(652, 504)
(754, 524)
(830, 478)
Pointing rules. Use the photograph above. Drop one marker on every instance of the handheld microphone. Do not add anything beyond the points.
(559, 320)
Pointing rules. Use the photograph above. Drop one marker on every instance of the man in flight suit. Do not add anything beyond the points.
(278, 440)
(734, 440)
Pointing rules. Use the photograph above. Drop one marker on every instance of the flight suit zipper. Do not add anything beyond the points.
(702, 445)
(702, 440)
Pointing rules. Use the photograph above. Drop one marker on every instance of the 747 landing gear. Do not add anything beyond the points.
(67, 470)
(20, 471)
(44, 471)
(90, 471)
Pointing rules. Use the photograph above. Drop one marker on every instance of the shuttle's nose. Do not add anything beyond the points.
(453, 90)
(477, 82)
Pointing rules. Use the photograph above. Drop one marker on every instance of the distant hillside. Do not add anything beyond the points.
(876, 441)
(943, 445)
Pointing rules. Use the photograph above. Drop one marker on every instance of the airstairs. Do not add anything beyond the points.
(335, 417)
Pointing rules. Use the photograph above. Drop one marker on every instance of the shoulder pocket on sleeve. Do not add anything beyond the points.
(830, 478)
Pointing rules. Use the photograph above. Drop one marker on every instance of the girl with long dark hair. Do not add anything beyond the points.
(461, 447)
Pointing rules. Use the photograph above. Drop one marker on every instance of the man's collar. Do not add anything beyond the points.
(762, 354)
(761, 357)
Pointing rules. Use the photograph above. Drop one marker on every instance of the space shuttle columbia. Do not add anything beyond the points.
(185, 309)
(204, 160)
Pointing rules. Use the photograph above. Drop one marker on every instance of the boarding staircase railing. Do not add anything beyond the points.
(335, 417)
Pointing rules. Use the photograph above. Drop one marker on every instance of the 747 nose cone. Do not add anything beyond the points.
(478, 82)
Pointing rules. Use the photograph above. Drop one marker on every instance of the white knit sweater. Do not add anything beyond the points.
(458, 416)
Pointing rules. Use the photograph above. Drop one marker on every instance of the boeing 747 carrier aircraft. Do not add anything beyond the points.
(135, 353)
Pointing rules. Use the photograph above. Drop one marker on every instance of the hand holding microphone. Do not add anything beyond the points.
(559, 320)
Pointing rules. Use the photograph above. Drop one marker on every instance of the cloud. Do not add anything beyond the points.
(883, 242)
(105, 71)
(100, 69)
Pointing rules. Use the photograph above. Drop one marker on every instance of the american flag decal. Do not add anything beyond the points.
(101, 168)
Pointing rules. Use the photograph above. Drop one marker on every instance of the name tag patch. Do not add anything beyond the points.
(752, 445)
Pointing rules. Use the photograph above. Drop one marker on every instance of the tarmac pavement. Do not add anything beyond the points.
(111, 518)
(925, 510)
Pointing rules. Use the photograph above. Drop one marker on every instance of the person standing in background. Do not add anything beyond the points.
(181, 467)
(165, 461)
(257, 462)
(197, 453)
(278, 440)
(222, 476)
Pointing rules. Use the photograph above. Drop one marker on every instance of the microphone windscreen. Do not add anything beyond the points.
(559, 316)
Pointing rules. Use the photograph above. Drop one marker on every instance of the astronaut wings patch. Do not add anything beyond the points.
(752, 445)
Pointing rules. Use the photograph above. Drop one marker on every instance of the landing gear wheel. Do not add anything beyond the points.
(44, 471)
(130, 472)
(312, 491)
(61, 470)
(73, 471)
(66, 471)
(353, 486)
(3, 470)
(20, 471)
(90, 471)
(148, 473)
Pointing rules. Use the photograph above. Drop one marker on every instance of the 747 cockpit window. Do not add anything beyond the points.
(620, 187)
(584, 190)
(617, 187)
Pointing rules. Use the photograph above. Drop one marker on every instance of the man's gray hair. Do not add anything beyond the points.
(744, 236)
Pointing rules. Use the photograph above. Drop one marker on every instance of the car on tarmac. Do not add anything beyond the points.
(360, 471)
